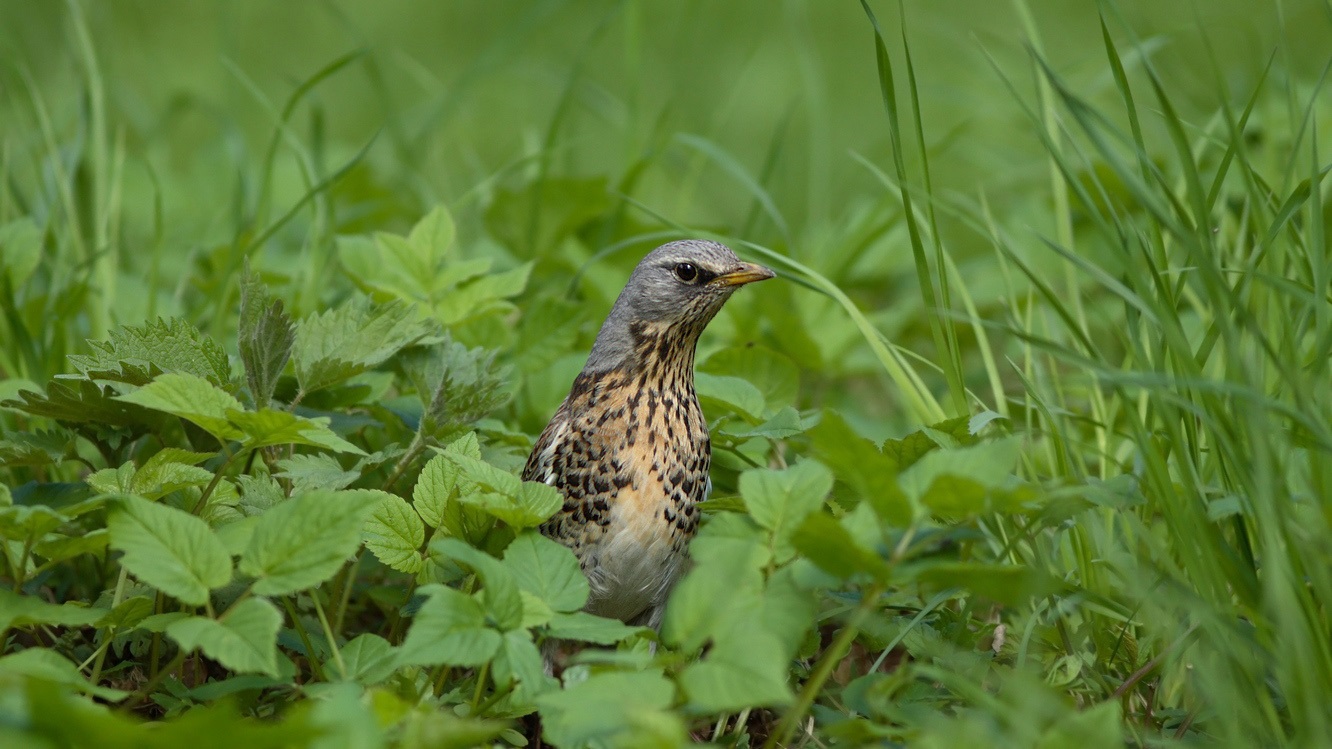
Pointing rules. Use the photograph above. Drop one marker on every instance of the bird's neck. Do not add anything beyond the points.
(650, 350)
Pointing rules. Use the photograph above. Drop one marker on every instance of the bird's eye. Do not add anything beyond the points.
(686, 272)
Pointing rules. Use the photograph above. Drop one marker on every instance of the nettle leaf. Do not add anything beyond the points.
(395, 534)
(135, 354)
(244, 639)
(40, 448)
(321, 471)
(18, 610)
(160, 476)
(192, 398)
(128, 613)
(731, 394)
(548, 570)
(305, 540)
(265, 337)
(369, 659)
(585, 627)
(857, 462)
(344, 342)
(169, 549)
(84, 402)
(519, 660)
(503, 602)
(450, 629)
(456, 385)
(270, 426)
(781, 500)
(410, 267)
(610, 707)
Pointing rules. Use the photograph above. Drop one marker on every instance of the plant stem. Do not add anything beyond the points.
(328, 633)
(481, 677)
(824, 668)
(315, 668)
(110, 631)
(146, 690)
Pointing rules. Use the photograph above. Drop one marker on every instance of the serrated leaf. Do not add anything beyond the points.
(57, 548)
(40, 448)
(341, 343)
(456, 385)
(82, 402)
(857, 462)
(585, 627)
(533, 504)
(265, 337)
(192, 398)
(548, 570)
(781, 500)
(136, 354)
(783, 424)
(128, 613)
(481, 296)
(741, 670)
(959, 482)
(395, 534)
(244, 639)
(303, 541)
(369, 659)
(607, 707)
(774, 374)
(169, 549)
(519, 660)
(273, 427)
(906, 451)
(18, 610)
(503, 602)
(320, 471)
(834, 550)
(449, 629)
(28, 523)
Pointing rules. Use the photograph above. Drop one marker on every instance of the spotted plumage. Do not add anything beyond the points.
(629, 447)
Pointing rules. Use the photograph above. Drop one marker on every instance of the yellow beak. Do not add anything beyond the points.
(745, 273)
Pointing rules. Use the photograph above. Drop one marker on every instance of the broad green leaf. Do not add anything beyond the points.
(958, 482)
(129, 613)
(46, 663)
(611, 707)
(535, 611)
(834, 550)
(344, 342)
(741, 670)
(781, 500)
(395, 534)
(857, 462)
(503, 602)
(732, 393)
(775, 375)
(449, 629)
(911, 448)
(82, 403)
(244, 639)
(273, 427)
(481, 296)
(192, 398)
(236, 535)
(532, 505)
(485, 476)
(169, 549)
(265, 337)
(548, 570)
(369, 659)
(18, 610)
(135, 353)
(585, 627)
(785, 423)
(320, 471)
(1011, 585)
(25, 523)
(56, 548)
(519, 660)
(305, 540)
(1096, 727)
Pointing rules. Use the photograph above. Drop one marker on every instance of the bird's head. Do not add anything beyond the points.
(673, 293)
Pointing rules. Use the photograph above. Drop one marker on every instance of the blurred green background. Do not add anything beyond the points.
(461, 91)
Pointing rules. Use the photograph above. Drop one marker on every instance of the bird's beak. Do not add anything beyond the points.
(745, 273)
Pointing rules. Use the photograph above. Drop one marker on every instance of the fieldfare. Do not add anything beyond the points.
(629, 447)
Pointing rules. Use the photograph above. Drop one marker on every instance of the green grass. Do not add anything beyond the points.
(1029, 446)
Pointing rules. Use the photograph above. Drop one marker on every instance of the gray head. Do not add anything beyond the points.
(674, 292)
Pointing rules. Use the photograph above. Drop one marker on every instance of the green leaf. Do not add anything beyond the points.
(503, 602)
(1097, 727)
(1011, 585)
(824, 541)
(135, 354)
(585, 627)
(611, 707)
(774, 374)
(548, 570)
(958, 482)
(450, 629)
(369, 659)
(57, 548)
(456, 385)
(129, 613)
(20, 250)
(169, 549)
(310, 472)
(192, 398)
(781, 500)
(857, 462)
(45, 663)
(911, 448)
(265, 337)
(306, 539)
(742, 669)
(533, 504)
(274, 427)
(395, 534)
(244, 639)
(18, 610)
(342, 343)
(28, 523)
(731, 393)
(519, 660)
(783, 424)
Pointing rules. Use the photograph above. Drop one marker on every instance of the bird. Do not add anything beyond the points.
(629, 448)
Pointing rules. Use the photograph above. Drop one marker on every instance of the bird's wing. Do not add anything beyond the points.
(541, 464)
